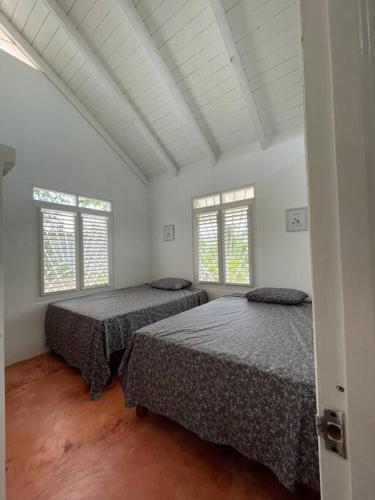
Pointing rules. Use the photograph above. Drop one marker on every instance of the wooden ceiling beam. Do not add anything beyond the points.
(145, 38)
(234, 56)
(98, 66)
(46, 69)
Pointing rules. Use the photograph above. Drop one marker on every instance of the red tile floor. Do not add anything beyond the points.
(62, 446)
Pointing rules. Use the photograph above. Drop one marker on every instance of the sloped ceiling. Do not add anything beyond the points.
(171, 82)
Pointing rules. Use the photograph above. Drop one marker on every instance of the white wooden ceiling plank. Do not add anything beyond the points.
(24, 45)
(195, 62)
(217, 94)
(93, 97)
(116, 124)
(35, 21)
(280, 84)
(79, 11)
(231, 48)
(99, 11)
(65, 55)
(97, 64)
(174, 130)
(126, 49)
(262, 48)
(173, 116)
(174, 35)
(126, 55)
(107, 26)
(257, 67)
(283, 116)
(184, 19)
(163, 13)
(55, 46)
(222, 111)
(47, 31)
(80, 77)
(235, 119)
(206, 37)
(262, 32)
(146, 7)
(206, 84)
(200, 98)
(289, 41)
(22, 13)
(118, 36)
(148, 91)
(74, 65)
(229, 4)
(129, 80)
(8, 7)
(87, 87)
(291, 102)
(149, 97)
(66, 5)
(159, 112)
(257, 11)
(204, 73)
(279, 70)
(165, 75)
(280, 95)
(180, 136)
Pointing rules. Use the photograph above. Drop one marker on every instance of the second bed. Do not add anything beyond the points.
(237, 373)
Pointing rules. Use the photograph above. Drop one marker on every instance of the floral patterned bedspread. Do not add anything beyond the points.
(237, 373)
(85, 331)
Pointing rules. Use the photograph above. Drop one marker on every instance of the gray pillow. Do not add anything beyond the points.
(170, 283)
(285, 296)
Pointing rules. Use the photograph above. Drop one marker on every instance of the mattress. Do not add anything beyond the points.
(236, 373)
(85, 331)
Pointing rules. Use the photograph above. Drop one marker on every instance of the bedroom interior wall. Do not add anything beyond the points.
(281, 258)
(57, 149)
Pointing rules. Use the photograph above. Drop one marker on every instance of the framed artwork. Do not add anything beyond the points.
(168, 232)
(297, 219)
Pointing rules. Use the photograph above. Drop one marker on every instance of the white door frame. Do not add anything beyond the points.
(336, 58)
(7, 160)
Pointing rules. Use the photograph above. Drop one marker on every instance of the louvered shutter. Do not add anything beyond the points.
(59, 271)
(95, 250)
(207, 233)
(236, 246)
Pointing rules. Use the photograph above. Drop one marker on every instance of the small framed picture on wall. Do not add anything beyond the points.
(297, 219)
(168, 232)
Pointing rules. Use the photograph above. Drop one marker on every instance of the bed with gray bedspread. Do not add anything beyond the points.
(237, 373)
(85, 331)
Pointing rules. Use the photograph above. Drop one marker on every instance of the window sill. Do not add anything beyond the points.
(217, 290)
(55, 297)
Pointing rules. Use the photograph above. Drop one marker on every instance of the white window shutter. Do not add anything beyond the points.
(95, 250)
(236, 246)
(59, 272)
(207, 235)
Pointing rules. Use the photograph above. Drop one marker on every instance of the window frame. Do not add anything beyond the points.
(38, 206)
(250, 204)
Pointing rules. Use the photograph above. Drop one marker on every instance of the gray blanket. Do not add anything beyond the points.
(85, 331)
(236, 373)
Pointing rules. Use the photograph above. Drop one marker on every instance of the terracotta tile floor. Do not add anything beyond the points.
(62, 446)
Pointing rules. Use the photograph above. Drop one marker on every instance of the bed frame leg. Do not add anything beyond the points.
(141, 411)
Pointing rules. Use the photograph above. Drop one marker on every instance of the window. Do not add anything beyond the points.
(75, 241)
(222, 233)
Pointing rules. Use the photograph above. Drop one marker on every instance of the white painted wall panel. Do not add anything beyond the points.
(64, 154)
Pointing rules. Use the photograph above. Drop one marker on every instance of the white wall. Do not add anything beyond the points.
(281, 258)
(57, 149)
